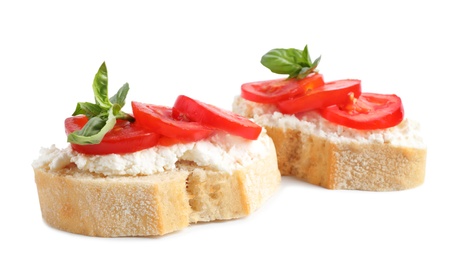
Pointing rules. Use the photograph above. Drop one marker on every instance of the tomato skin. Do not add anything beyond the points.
(331, 93)
(125, 137)
(159, 119)
(273, 91)
(215, 117)
(371, 111)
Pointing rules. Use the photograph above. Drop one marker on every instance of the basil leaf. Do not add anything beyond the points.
(120, 97)
(295, 63)
(295, 74)
(100, 87)
(315, 63)
(306, 57)
(304, 72)
(94, 130)
(103, 114)
(296, 55)
(88, 109)
(282, 61)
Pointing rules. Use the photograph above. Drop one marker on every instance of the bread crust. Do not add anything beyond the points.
(152, 205)
(340, 164)
(351, 166)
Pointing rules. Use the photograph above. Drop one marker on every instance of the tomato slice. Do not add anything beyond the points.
(371, 111)
(331, 93)
(273, 91)
(125, 137)
(168, 141)
(159, 119)
(212, 116)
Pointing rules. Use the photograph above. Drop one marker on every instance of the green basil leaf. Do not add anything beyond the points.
(100, 87)
(88, 109)
(94, 130)
(309, 70)
(296, 55)
(294, 62)
(316, 62)
(304, 72)
(120, 97)
(294, 74)
(306, 57)
(282, 61)
(103, 114)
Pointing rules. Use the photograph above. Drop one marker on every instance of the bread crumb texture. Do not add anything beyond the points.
(336, 157)
(83, 202)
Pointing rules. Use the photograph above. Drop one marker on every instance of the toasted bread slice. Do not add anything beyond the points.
(75, 199)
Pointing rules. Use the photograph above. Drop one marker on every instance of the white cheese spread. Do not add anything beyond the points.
(221, 152)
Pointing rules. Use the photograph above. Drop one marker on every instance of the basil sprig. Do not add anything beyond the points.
(103, 114)
(294, 62)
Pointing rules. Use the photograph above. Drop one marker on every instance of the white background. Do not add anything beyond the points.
(50, 51)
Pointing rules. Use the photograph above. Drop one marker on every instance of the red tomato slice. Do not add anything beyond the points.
(331, 93)
(168, 141)
(273, 91)
(215, 117)
(125, 137)
(160, 120)
(371, 111)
